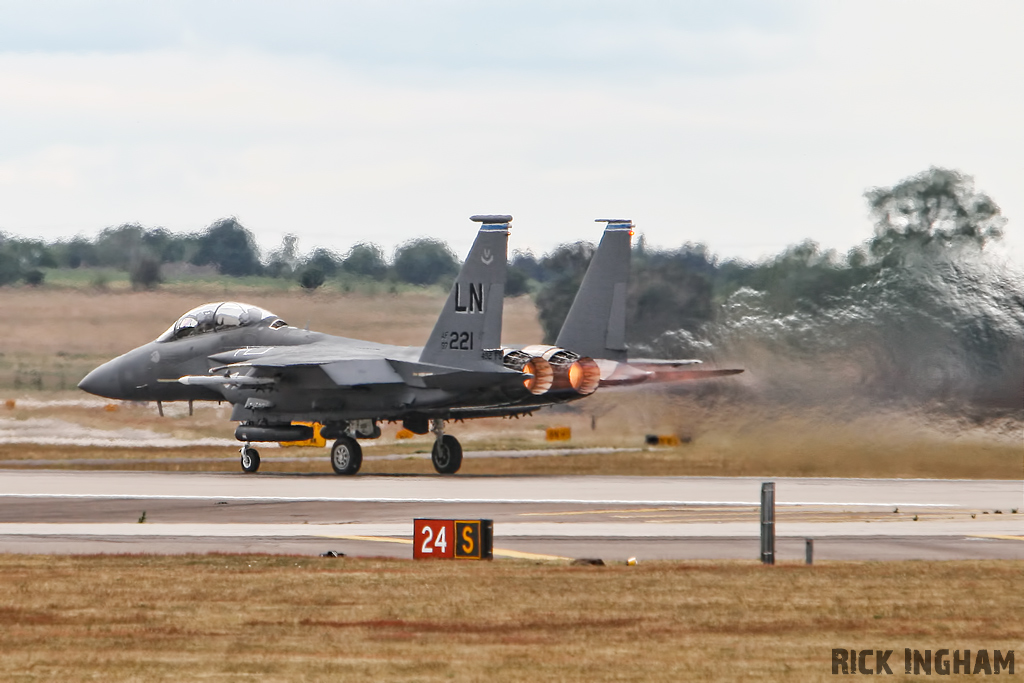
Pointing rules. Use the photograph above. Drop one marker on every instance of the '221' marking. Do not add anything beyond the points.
(460, 341)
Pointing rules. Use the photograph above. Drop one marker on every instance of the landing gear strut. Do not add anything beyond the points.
(447, 453)
(346, 455)
(250, 458)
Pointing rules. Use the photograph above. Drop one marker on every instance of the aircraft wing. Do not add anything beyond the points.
(318, 353)
(357, 366)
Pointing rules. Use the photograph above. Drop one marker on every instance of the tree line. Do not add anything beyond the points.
(934, 215)
(227, 246)
(935, 212)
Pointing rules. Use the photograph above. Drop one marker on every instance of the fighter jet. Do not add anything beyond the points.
(276, 375)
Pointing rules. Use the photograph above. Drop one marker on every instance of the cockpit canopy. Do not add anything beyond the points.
(218, 316)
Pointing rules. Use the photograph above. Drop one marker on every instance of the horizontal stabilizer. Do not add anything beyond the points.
(689, 375)
(615, 374)
(657, 363)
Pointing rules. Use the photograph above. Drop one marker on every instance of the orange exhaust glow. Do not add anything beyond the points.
(543, 376)
(529, 381)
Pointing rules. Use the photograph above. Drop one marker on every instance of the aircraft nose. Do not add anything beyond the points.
(102, 381)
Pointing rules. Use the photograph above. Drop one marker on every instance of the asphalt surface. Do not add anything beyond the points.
(534, 516)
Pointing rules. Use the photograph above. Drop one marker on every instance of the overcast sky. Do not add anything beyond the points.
(744, 125)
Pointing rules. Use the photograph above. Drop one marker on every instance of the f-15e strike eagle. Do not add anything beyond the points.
(276, 375)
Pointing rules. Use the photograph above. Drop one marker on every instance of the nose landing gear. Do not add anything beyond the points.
(250, 458)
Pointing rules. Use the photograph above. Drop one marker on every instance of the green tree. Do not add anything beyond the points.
(168, 247)
(76, 252)
(517, 282)
(669, 291)
(324, 260)
(230, 247)
(145, 272)
(366, 260)
(936, 209)
(34, 277)
(801, 278)
(117, 247)
(425, 261)
(285, 259)
(567, 264)
(311, 277)
(10, 268)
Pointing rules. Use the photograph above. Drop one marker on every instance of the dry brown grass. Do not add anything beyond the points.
(928, 461)
(292, 618)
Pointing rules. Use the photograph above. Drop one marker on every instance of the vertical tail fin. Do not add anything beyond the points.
(596, 324)
(467, 334)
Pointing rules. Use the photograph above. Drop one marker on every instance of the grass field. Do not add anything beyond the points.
(302, 618)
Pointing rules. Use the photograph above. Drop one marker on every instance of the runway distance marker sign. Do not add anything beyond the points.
(453, 539)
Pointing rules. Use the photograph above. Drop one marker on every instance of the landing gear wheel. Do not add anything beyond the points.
(447, 455)
(250, 459)
(346, 455)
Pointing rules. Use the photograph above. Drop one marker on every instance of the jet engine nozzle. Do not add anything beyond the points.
(543, 376)
(584, 376)
(572, 372)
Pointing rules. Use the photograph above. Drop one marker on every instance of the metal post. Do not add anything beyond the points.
(810, 551)
(768, 522)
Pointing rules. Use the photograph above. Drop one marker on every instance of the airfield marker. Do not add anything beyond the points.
(768, 522)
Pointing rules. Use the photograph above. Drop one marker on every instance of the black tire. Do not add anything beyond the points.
(346, 456)
(250, 460)
(447, 455)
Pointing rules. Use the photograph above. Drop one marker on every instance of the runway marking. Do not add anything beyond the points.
(599, 512)
(379, 539)
(471, 501)
(516, 554)
(520, 555)
(998, 536)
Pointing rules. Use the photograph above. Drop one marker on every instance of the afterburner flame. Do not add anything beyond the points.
(575, 375)
(589, 376)
(543, 376)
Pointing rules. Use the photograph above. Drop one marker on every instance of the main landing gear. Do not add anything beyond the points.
(346, 455)
(447, 453)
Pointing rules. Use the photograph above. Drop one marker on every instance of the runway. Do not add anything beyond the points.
(535, 517)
